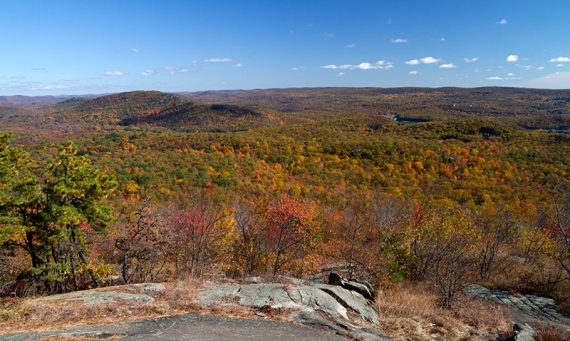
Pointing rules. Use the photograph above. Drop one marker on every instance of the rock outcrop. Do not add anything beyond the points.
(343, 311)
(523, 332)
(362, 287)
(524, 305)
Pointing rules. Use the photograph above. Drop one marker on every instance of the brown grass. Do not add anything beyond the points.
(549, 333)
(411, 312)
(18, 315)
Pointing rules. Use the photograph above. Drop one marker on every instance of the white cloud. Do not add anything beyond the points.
(429, 60)
(540, 68)
(502, 22)
(135, 50)
(349, 46)
(294, 68)
(328, 35)
(340, 73)
(560, 60)
(148, 72)
(424, 60)
(381, 64)
(413, 72)
(471, 60)
(238, 65)
(510, 74)
(494, 78)
(560, 65)
(447, 66)
(114, 73)
(512, 58)
(218, 60)
(399, 40)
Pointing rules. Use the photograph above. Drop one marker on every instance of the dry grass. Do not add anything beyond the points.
(550, 333)
(18, 315)
(32, 314)
(411, 312)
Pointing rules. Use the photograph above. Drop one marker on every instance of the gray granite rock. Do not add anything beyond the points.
(352, 300)
(339, 327)
(523, 332)
(316, 299)
(535, 307)
(96, 297)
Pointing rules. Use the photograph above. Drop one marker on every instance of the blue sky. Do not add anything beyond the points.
(82, 47)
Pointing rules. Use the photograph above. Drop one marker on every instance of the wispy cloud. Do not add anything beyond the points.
(447, 66)
(399, 40)
(512, 58)
(238, 65)
(413, 72)
(495, 78)
(135, 50)
(503, 21)
(328, 35)
(175, 70)
(148, 72)
(413, 62)
(471, 60)
(218, 60)
(560, 65)
(557, 80)
(526, 67)
(114, 73)
(349, 46)
(340, 74)
(379, 65)
(560, 60)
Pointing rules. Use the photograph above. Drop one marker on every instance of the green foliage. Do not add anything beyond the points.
(50, 215)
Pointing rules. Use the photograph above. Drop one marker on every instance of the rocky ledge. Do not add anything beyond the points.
(343, 311)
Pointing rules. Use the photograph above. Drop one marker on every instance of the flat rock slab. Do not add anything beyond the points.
(188, 327)
(332, 300)
(95, 297)
(339, 327)
(534, 307)
(273, 295)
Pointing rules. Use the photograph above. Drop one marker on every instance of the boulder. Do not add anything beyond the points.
(260, 295)
(316, 299)
(351, 300)
(362, 287)
(523, 332)
(275, 296)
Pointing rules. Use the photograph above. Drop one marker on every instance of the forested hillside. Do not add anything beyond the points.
(438, 186)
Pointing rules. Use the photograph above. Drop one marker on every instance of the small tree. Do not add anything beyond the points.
(197, 235)
(51, 215)
(443, 249)
(290, 231)
(144, 248)
(249, 255)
